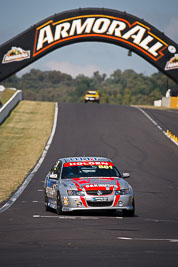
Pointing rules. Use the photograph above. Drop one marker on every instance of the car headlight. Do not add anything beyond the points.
(122, 191)
(75, 193)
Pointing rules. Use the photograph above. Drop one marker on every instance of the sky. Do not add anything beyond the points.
(88, 57)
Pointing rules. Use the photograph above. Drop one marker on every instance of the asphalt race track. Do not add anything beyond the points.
(166, 119)
(30, 236)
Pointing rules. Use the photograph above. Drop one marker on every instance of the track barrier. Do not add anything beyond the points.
(10, 105)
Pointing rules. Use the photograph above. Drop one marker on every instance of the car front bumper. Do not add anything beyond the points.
(92, 99)
(112, 202)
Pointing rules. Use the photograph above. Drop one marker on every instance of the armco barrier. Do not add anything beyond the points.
(9, 105)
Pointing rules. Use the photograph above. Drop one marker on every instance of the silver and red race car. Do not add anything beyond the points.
(88, 183)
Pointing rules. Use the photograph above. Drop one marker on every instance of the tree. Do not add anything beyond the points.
(127, 87)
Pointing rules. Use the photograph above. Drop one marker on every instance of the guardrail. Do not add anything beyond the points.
(10, 104)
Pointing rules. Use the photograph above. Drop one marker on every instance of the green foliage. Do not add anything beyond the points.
(127, 87)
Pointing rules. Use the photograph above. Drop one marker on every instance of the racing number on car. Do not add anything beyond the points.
(105, 167)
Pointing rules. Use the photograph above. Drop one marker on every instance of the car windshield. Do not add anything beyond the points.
(89, 169)
(91, 93)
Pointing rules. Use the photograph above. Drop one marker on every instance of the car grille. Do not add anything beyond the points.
(100, 204)
(97, 192)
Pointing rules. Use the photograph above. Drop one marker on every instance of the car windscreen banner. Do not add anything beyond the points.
(88, 163)
(90, 24)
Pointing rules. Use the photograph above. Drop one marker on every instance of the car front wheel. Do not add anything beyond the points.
(59, 204)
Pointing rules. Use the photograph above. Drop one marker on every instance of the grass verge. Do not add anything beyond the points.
(23, 136)
(6, 95)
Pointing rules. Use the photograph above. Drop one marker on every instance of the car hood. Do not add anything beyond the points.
(89, 95)
(96, 183)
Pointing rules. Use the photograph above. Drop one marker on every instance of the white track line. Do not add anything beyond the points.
(161, 221)
(30, 176)
(74, 217)
(156, 124)
(147, 239)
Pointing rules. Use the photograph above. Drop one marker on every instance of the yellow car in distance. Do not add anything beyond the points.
(92, 96)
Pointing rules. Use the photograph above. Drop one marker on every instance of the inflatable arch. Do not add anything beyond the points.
(90, 24)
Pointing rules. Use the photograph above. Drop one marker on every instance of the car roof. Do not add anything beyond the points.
(94, 92)
(75, 159)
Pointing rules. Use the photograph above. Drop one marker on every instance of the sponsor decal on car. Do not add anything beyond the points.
(172, 63)
(66, 201)
(99, 186)
(81, 159)
(78, 202)
(88, 163)
(136, 34)
(98, 199)
(16, 54)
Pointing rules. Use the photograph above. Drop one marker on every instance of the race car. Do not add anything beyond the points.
(92, 96)
(88, 183)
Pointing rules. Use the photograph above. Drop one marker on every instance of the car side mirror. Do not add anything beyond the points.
(126, 175)
(53, 176)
